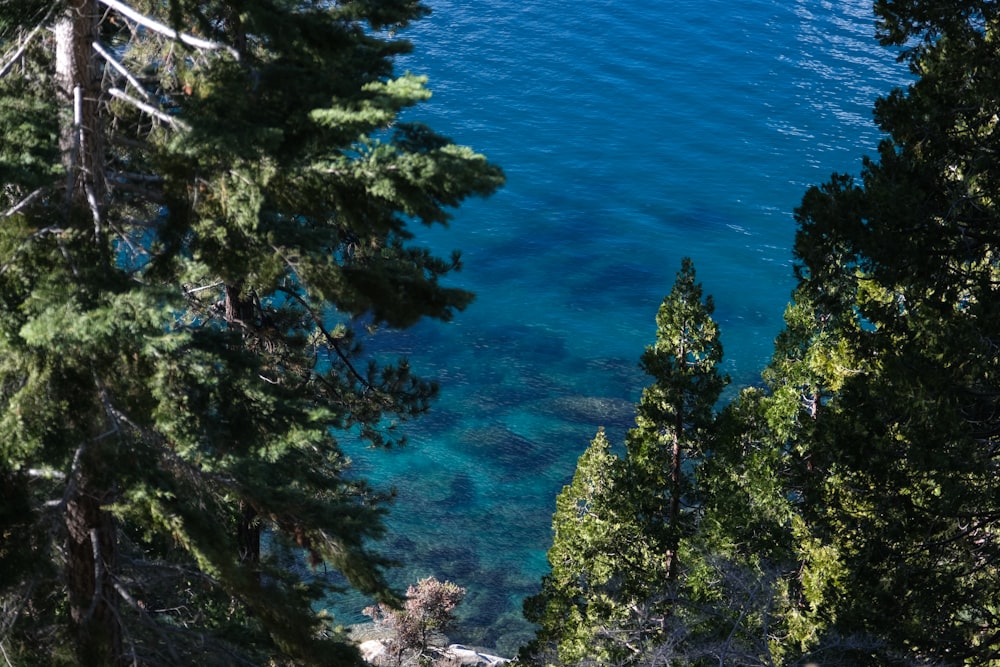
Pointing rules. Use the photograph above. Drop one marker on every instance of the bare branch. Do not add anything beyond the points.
(148, 108)
(122, 70)
(95, 207)
(95, 545)
(27, 40)
(46, 473)
(163, 29)
(195, 290)
(24, 202)
(132, 247)
(143, 614)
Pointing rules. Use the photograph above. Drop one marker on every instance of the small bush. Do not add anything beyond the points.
(428, 611)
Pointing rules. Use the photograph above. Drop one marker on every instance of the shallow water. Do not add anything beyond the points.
(632, 134)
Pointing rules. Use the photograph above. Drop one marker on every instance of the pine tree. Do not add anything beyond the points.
(206, 208)
(767, 584)
(676, 413)
(908, 486)
(602, 569)
(613, 596)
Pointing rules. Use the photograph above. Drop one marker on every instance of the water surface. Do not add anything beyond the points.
(632, 134)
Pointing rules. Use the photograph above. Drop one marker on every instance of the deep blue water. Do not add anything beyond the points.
(632, 134)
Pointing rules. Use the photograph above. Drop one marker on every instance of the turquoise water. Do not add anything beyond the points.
(632, 134)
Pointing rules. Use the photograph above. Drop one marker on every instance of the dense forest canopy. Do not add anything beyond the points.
(206, 209)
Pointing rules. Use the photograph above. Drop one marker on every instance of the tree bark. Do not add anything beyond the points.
(91, 537)
(91, 561)
(239, 309)
(675, 475)
(78, 78)
(249, 536)
(675, 492)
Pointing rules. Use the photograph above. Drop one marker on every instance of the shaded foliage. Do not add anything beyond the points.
(206, 210)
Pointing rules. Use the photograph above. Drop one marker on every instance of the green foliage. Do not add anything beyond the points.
(184, 298)
(621, 527)
(601, 564)
(676, 413)
(846, 511)
(906, 452)
(28, 130)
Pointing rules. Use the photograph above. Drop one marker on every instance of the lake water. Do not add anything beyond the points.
(632, 134)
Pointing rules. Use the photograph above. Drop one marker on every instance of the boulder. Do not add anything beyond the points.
(374, 653)
(457, 655)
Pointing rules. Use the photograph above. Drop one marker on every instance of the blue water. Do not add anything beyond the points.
(632, 134)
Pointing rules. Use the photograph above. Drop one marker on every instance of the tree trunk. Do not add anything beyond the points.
(78, 78)
(91, 560)
(240, 313)
(249, 536)
(91, 539)
(675, 474)
(675, 493)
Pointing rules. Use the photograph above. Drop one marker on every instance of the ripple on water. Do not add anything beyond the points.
(633, 134)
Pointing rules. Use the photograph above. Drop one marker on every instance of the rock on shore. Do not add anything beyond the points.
(455, 655)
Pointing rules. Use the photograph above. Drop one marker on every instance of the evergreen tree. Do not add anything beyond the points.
(602, 569)
(768, 586)
(205, 208)
(676, 413)
(907, 491)
(612, 597)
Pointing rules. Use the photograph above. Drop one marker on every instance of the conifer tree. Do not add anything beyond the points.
(676, 413)
(907, 485)
(769, 587)
(206, 207)
(602, 568)
(613, 596)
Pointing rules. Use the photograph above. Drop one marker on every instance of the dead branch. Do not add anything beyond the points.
(27, 41)
(163, 29)
(148, 108)
(24, 202)
(111, 60)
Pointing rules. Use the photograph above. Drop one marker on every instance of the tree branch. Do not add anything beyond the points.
(95, 545)
(194, 290)
(46, 473)
(148, 108)
(163, 29)
(27, 40)
(144, 615)
(155, 196)
(24, 202)
(111, 60)
(330, 339)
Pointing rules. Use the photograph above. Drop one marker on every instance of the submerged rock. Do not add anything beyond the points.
(592, 410)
